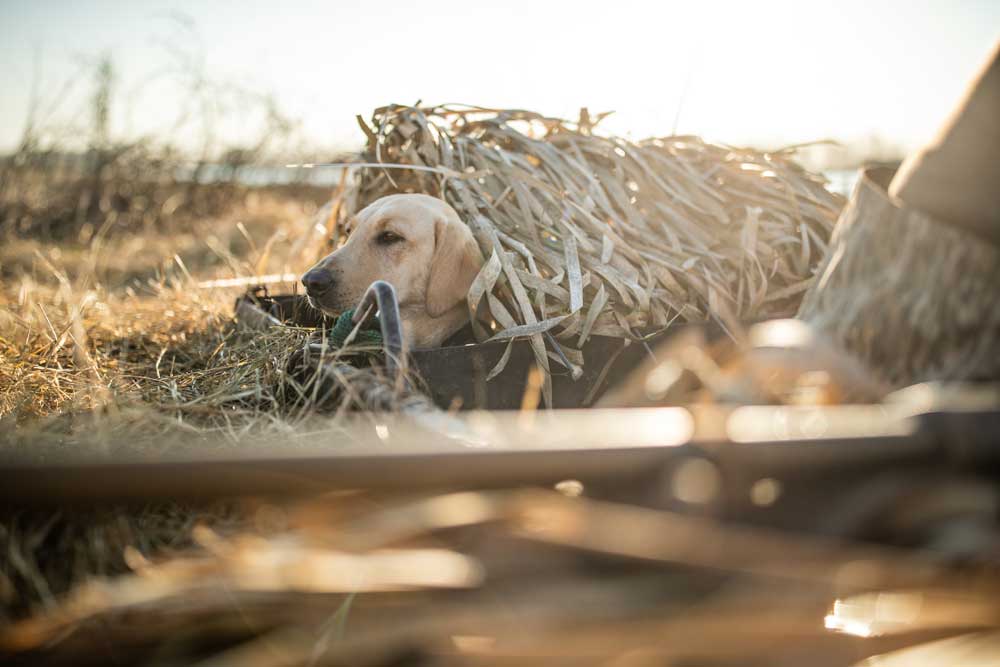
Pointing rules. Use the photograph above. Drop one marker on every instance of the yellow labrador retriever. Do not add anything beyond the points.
(419, 245)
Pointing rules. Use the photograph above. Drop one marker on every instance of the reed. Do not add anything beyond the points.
(587, 234)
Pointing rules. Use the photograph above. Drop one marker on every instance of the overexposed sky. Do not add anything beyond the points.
(740, 72)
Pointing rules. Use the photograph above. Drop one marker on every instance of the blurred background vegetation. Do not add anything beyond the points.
(75, 181)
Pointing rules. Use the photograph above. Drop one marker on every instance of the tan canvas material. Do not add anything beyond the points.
(913, 298)
(956, 177)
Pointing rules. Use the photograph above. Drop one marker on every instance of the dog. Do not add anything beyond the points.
(419, 245)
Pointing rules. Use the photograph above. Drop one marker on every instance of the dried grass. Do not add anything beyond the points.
(514, 577)
(47, 553)
(93, 365)
(84, 358)
(588, 234)
(108, 344)
(134, 374)
(175, 348)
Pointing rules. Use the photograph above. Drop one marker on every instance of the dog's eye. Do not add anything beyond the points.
(388, 238)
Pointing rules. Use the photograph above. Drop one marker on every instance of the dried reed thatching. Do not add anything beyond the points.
(587, 234)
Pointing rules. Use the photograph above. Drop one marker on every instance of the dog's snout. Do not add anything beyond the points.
(317, 281)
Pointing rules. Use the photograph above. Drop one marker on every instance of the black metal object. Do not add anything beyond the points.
(455, 374)
(620, 448)
(382, 296)
(458, 373)
(857, 446)
(386, 387)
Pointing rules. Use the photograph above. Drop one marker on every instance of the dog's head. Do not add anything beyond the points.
(415, 242)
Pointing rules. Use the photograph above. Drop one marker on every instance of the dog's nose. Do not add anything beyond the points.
(317, 281)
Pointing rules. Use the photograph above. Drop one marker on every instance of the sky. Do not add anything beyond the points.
(762, 73)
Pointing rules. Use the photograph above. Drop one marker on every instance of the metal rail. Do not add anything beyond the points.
(617, 447)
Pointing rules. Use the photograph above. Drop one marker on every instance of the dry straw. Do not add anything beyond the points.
(583, 235)
(593, 235)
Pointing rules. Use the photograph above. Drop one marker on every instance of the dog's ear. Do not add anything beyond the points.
(455, 264)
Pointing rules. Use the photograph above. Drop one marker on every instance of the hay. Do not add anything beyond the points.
(584, 235)
(47, 553)
(111, 376)
(178, 352)
(148, 371)
(535, 577)
(593, 235)
(151, 375)
(128, 370)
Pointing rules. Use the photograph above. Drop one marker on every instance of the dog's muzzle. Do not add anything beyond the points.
(317, 282)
